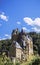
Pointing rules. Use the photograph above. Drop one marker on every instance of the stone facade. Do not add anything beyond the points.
(18, 53)
(22, 45)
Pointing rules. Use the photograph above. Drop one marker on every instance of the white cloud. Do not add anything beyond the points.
(31, 22)
(37, 21)
(36, 29)
(18, 23)
(3, 16)
(25, 29)
(2, 39)
(28, 20)
(8, 36)
(34, 23)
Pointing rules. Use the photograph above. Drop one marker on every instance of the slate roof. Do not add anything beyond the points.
(28, 37)
(17, 44)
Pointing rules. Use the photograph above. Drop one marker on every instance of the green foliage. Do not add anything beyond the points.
(9, 63)
(36, 41)
(4, 60)
(35, 61)
(5, 44)
(17, 63)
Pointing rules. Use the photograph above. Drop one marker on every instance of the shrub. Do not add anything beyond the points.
(8, 63)
(17, 63)
(35, 61)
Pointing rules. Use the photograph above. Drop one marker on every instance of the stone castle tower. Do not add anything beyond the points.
(22, 45)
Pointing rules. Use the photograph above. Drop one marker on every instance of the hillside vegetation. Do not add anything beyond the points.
(32, 60)
(5, 44)
(36, 42)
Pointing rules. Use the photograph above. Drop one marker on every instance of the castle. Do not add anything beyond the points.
(22, 45)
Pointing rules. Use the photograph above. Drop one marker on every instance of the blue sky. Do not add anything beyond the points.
(19, 14)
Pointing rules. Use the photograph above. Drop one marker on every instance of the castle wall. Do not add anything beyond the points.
(18, 53)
